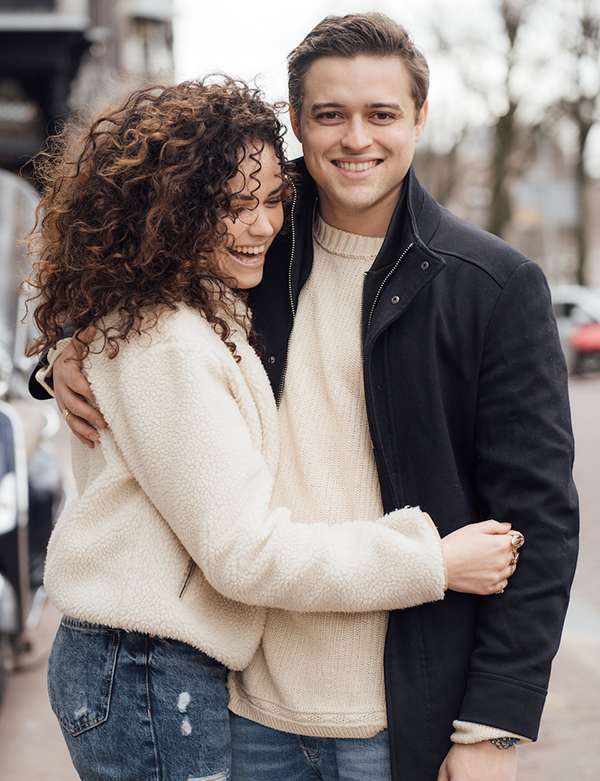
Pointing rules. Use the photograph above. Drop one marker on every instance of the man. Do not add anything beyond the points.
(416, 361)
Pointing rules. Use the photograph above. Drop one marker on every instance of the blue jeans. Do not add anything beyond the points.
(265, 754)
(133, 707)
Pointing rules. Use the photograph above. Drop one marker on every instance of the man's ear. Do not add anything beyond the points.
(295, 120)
(421, 121)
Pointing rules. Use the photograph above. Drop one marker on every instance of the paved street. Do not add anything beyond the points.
(32, 749)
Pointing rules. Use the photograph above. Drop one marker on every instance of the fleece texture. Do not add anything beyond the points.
(172, 532)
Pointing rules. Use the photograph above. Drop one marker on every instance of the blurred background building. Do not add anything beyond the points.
(513, 136)
(59, 55)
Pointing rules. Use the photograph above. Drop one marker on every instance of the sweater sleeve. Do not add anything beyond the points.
(184, 438)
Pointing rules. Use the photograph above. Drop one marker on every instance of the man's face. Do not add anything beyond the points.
(358, 130)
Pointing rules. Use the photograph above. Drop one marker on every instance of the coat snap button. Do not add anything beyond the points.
(425, 265)
(272, 359)
(395, 299)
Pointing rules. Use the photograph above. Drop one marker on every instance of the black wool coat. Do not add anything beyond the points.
(466, 393)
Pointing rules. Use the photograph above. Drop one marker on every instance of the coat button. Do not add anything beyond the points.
(271, 359)
(425, 265)
(395, 299)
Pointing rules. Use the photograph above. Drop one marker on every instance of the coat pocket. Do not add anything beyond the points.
(81, 671)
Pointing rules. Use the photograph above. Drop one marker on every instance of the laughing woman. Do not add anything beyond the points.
(155, 220)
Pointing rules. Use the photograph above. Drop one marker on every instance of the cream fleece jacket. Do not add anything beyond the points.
(172, 533)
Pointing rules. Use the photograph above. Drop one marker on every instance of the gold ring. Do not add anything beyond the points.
(500, 590)
(517, 540)
(65, 413)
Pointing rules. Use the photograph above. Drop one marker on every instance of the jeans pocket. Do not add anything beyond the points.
(81, 671)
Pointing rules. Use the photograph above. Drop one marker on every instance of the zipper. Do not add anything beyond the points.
(387, 276)
(290, 293)
(190, 572)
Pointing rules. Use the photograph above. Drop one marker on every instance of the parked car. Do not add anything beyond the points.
(30, 470)
(577, 312)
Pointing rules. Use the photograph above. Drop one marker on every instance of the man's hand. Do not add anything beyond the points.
(71, 390)
(479, 762)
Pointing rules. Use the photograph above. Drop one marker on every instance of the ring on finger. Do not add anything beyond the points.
(65, 413)
(500, 589)
(517, 540)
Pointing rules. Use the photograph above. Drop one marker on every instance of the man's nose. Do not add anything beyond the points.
(357, 135)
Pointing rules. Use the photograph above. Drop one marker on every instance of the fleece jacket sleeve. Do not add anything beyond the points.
(184, 437)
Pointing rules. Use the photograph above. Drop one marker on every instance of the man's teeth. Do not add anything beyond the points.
(357, 166)
(250, 250)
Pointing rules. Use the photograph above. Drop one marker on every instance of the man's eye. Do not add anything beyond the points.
(383, 116)
(328, 115)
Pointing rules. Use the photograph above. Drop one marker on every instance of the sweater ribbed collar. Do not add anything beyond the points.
(339, 242)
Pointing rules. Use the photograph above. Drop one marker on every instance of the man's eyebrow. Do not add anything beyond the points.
(393, 106)
(322, 106)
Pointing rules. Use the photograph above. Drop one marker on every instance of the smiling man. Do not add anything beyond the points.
(416, 361)
(358, 124)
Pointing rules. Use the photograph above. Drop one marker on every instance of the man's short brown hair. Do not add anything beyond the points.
(372, 34)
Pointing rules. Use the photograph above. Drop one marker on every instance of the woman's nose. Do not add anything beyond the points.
(261, 225)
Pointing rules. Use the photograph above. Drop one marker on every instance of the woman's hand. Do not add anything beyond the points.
(481, 557)
(71, 390)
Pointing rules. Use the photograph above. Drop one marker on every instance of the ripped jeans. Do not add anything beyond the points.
(138, 708)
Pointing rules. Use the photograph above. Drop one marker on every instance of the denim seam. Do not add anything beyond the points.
(311, 757)
(149, 709)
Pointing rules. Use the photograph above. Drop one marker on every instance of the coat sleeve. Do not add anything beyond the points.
(524, 458)
(185, 440)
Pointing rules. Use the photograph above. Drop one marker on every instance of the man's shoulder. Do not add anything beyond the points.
(458, 241)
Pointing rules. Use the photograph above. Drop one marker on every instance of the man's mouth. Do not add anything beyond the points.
(356, 167)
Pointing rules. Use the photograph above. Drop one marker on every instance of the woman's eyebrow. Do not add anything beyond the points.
(277, 190)
(246, 196)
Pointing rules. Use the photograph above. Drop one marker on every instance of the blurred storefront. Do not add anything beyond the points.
(59, 55)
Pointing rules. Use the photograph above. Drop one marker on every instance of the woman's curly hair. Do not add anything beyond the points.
(134, 203)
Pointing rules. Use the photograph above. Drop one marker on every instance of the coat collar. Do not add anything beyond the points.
(404, 265)
(415, 218)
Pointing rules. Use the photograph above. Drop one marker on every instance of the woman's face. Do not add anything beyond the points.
(251, 233)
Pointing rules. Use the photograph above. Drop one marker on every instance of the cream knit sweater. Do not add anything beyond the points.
(322, 674)
(171, 532)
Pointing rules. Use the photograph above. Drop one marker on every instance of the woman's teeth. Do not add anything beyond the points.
(249, 250)
(248, 255)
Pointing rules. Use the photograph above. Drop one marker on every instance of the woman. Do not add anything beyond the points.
(153, 226)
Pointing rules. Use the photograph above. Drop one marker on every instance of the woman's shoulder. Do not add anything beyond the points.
(180, 328)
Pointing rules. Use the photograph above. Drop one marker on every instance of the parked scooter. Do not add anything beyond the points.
(30, 470)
